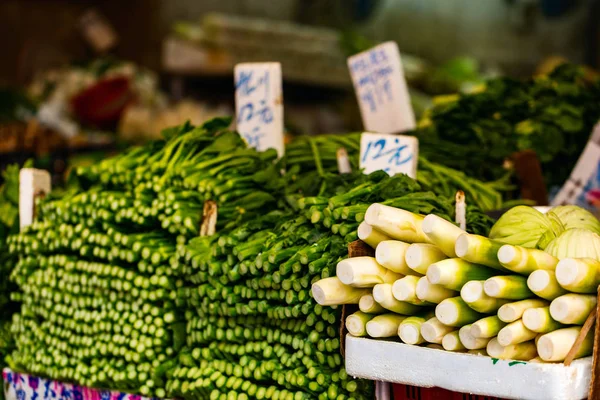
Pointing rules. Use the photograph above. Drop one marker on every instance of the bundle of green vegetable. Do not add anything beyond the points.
(431, 282)
(100, 301)
(9, 224)
(552, 115)
(318, 154)
(249, 294)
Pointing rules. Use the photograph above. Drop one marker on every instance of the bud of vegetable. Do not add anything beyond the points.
(527, 227)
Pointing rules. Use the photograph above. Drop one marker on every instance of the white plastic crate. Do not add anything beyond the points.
(466, 373)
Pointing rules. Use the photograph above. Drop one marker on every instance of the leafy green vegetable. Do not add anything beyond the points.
(552, 115)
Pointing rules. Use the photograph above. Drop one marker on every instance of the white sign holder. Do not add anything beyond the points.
(259, 105)
(33, 183)
(381, 89)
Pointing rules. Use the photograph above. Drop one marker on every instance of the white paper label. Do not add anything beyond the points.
(33, 183)
(259, 105)
(381, 89)
(391, 153)
(583, 171)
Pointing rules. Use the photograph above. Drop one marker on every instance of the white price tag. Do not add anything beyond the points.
(259, 105)
(391, 153)
(381, 89)
(33, 183)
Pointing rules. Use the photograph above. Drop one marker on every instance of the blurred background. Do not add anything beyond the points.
(80, 79)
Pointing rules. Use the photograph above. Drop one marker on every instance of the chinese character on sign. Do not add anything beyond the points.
(259, 105)
(381, 89)
(390, 153)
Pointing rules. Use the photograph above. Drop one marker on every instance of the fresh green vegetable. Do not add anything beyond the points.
(419, 256)
(554, 346)
(513, 311)
(426, 291)
(527, 227)
(572, 309)
(579, 275)
(552, 115)
(512, 287)
(574, 217)
(514, 333)
(470, 341)
(382, 294)
(452, 342)
(525, 261)
(356, 323)
(363, 272)
(433, 331)
(575, 243)
(392, 255)
(544, 284)
(539, 320)
(442, 233)
(475, 297)
(487, 327)
(522, 351)
(331, 291)
(455, 312)
(405, 289)
(384, 325)
(453, 273)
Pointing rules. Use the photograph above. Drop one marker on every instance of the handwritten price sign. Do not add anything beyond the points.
(259, 105)
(391, 153)
(381, 89)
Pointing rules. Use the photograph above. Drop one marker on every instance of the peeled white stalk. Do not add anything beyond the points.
(357, 323)
(473, 294)
(579, 275)
(544, 284)
(364, 272)
(382, 294)
(515, 333)
(523, 351)
(453, 273)
(367, 304)
(370, 235)
(426, 291)
(410, 330)
(391, 254)
(331, 291)
(420, 256)
(442, 233)
(469, 341)
(396, 223)
(405, 289)
(513, 311)
(554, 346)
(455, 312)
(487, 327)
(512, 287)
(539, 320)
(451, 342)
(384, 325)
(572, 309)
(524, 261)
(478, 250)
(433, 331)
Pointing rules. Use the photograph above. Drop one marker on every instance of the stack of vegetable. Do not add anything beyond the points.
(523, 293)
(100, 301)
(9, 224)
(317, 155)
(475, 133)
(249, 294)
